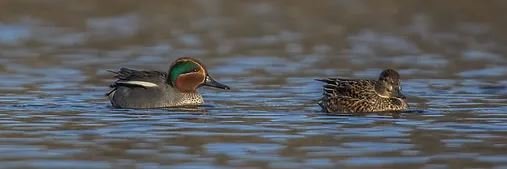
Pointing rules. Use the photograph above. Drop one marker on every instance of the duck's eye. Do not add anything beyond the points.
(195, 70)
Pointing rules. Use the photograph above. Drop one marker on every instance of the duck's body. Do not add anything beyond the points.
(355, 95)
(148, 89)
(154, 89)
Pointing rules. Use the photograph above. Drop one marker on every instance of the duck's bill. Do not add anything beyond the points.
(213, 83)
(399, 95)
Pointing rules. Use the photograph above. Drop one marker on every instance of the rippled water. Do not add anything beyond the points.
(451, 55)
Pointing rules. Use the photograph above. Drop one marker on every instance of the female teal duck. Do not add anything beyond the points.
(153, 89)
(354, 95)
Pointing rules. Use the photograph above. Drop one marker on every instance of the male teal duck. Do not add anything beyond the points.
(355, 95)
(154, 89)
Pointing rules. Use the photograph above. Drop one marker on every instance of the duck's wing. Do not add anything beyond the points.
(134, 78)
(349, 88)
(346, 95)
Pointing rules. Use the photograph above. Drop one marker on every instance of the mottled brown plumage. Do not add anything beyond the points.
(355, 95)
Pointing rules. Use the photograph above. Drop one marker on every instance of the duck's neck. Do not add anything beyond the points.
(186, 98)
(379, 88)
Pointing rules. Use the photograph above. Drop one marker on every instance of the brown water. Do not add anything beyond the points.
(451, 55)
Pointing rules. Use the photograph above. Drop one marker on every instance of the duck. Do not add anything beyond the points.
(155, 89)
(341, 95)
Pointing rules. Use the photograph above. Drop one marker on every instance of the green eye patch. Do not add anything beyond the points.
(181, 68)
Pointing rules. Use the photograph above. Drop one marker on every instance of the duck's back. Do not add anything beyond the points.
(139, 89)
(350, 88)
(126, 74)
(348, 95)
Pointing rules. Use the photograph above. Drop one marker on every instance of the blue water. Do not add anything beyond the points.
(54, 59)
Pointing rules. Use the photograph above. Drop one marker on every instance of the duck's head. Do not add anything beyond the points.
(389, 84)
(187, 74)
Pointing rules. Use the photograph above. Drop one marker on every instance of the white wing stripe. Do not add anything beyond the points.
(139, 83)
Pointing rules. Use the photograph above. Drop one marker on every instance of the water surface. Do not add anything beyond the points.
(451, 56)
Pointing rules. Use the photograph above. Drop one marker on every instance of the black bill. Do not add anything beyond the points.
(400, 95)
(213, 83)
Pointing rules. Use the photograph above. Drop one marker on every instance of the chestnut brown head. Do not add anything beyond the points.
(187, 74)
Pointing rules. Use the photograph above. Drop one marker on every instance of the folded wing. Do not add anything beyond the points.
(134, 78)
(348, 88)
